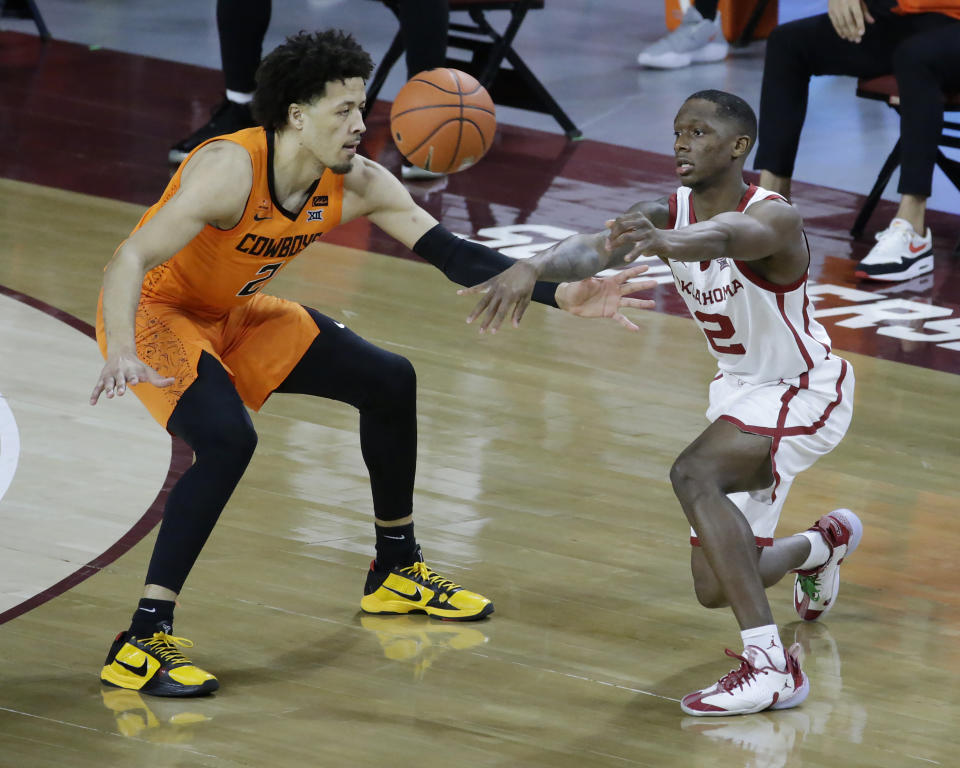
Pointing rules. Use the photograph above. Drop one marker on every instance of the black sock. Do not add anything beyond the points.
(707, 8)
(152, 616)
(396, 546)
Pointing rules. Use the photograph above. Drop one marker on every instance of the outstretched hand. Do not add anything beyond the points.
(122, 371)
(634, 231)
(606, 296)
(506, 294)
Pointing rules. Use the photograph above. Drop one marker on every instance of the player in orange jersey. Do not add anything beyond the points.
(183, 319)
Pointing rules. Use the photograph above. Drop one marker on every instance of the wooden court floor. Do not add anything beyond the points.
(542, 482)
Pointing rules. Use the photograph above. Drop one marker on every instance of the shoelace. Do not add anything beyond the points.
(426, 576)
(902, 232)
(164, 646)
(898, 238)
(737, 678)
(683, 35)
(809, 585)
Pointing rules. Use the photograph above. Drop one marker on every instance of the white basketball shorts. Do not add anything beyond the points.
(806, 418)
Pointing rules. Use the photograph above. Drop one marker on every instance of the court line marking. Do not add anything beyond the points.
(9, 446)
(474, 653)
(181, 457)
(184, 747)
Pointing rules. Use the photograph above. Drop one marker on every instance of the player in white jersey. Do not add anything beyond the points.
(757, 330)
(780, 400)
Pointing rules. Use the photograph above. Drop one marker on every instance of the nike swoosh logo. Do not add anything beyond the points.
(339, 325)
(917, 250)
(261, 218)
(147, 610)
(140, 671)
(398, 538)
(415, 596)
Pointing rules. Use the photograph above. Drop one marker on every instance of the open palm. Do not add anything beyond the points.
(606, 296)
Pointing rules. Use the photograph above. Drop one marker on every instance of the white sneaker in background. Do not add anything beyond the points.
(900, 254)
(695, 40)
(416, 173)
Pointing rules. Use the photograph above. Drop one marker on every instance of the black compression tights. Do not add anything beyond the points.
(213, 421)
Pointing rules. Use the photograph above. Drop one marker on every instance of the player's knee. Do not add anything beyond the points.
(245, 439)
(231, 439)
(687, 477)
(712, 599)
(399, 382)
(709, 594)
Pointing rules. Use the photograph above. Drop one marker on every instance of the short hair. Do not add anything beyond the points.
(300, 68)
(732, 108)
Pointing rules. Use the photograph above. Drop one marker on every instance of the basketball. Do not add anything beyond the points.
(443, 120)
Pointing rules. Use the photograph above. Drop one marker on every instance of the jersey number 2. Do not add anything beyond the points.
(268, 271)
(723, 331)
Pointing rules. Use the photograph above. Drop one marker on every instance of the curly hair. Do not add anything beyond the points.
(300, 68)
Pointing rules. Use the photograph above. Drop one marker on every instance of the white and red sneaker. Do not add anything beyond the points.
(900, 254)
(815, 591)
(801, 685)
(758, 684)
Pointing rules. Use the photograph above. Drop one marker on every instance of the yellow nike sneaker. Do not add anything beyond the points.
(417, 589)
(154, 665)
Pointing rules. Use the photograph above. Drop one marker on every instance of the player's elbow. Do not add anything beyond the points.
(127, 263)
(726, 238)
(126, 258)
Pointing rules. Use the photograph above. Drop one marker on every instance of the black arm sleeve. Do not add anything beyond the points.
(469, 263)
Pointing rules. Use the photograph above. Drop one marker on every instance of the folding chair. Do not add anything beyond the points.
(25, 9)
(885, 89)
(513, 86)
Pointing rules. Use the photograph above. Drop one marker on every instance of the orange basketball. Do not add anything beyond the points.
(443, 120)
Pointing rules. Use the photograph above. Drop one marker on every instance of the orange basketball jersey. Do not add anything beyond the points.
(734, 14)
(946, 7)
(221, 269)
(208, 297)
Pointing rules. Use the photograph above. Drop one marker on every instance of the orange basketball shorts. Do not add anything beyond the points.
(258, 343)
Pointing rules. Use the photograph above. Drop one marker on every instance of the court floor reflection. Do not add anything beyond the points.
(160, 721)
(419, 641)
(776, 739)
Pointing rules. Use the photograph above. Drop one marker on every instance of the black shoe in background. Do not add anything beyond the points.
(227, 117)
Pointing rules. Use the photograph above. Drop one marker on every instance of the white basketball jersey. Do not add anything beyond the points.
(757, 331)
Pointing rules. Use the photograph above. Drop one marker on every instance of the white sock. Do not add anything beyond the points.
(819, 551)
(239, 98)
(768, 639)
